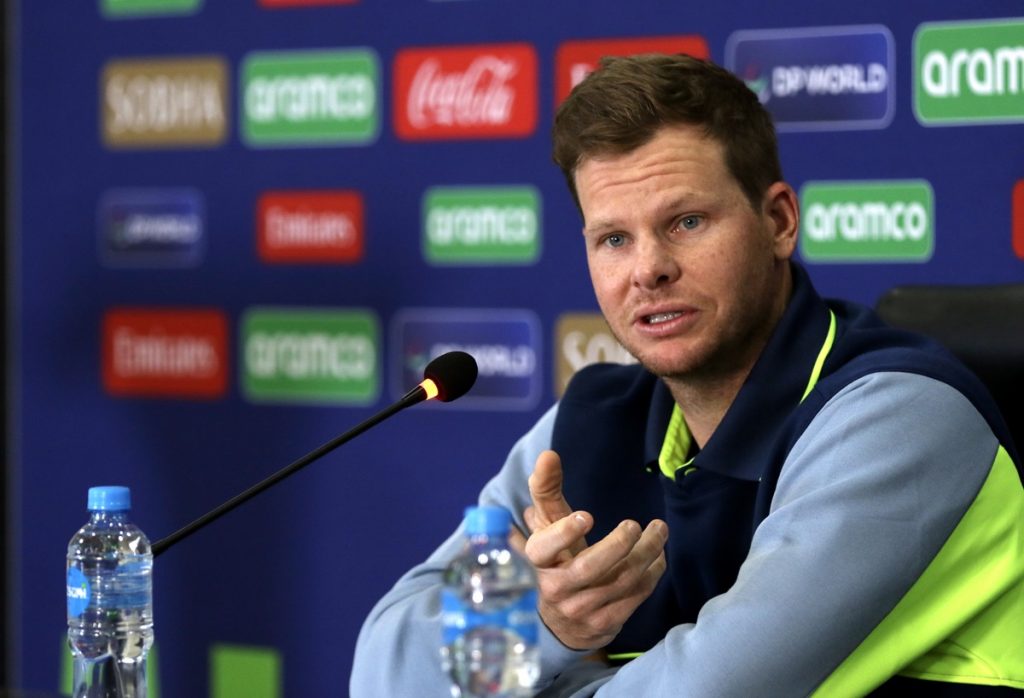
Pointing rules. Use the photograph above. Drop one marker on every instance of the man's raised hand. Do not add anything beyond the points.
(587, 592)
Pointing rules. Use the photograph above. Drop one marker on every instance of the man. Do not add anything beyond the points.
(828, 506)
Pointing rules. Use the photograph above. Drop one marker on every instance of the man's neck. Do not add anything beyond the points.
(704, 404)
(704, 398)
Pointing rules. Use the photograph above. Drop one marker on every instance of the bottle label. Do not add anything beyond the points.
(79, 592)
(459, 617)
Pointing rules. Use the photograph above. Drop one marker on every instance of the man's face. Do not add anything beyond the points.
(690, 278)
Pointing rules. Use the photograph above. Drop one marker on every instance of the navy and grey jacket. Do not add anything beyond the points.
(856, 522)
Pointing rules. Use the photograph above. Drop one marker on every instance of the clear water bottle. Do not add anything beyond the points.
(110, 600)
(489, 613)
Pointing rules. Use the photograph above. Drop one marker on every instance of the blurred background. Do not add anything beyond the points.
(236, 228)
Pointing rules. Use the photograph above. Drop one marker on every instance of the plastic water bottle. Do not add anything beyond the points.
(110, 600)
(489, 613)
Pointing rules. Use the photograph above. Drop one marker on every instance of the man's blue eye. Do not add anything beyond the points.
(615, 240)
(689, 222)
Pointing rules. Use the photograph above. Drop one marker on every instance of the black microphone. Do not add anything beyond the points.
(447, 378)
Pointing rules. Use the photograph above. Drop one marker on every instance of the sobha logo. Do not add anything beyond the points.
(867, 221)
(310, 97)
(315, 356)
(582, 339)
(969, 72)
(164, 102)
(480, 225)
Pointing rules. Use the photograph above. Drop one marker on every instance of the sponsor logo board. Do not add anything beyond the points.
(151, 227)
(575, 60)
(487, 91)
(164, 102)
(114, 9)
(969, 72)
(505, 344)
(310, 98)
(824, 78)
(157, 352)
(582, 339)
(879, 221)
(310, 227)
(310, 355)
(481, 225)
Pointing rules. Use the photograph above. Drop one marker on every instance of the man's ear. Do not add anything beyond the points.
(781, 208)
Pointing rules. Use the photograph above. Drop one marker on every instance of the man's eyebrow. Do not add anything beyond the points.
(599, 226)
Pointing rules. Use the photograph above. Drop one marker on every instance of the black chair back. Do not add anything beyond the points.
(982, 325)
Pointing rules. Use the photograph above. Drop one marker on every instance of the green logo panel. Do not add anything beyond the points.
(239, 671)
(310, 97)
(969, 72)
(140, 8)
(481, 225)
(314, 356)
(883, 221)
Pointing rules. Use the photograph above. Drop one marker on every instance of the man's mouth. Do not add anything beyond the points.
(658, 318)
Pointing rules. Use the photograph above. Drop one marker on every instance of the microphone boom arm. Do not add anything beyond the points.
(416, 395)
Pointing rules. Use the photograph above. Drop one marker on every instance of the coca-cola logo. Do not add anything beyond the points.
(467, 92)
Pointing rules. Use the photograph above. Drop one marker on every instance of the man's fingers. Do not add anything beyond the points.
(622, 557)
(586, 598)
(558, 541)
(546, 489)
(643, 587)
(649, 547)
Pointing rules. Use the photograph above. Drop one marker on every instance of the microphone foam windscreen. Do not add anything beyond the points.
(454, 374)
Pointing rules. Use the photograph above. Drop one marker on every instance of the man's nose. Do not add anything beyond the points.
(654, 265)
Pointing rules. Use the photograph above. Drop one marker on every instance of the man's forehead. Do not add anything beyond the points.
(668, 143)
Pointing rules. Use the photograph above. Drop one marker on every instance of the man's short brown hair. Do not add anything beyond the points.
(626, 101)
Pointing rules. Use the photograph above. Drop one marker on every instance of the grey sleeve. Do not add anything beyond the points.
(397, 652)
(866, 499)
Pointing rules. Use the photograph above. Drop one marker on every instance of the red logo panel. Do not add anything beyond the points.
(485, 91)
(165, 352)
(575, 59)
(1018, 218)
(310, 227)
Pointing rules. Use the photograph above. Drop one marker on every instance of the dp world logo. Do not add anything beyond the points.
(969, 72)
(825, 78)
(883, 221)
(505, 344)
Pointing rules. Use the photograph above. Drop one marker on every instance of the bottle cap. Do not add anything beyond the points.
(489, 521)
(110, 499)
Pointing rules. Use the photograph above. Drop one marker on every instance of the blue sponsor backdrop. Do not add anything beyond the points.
(298, 568)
